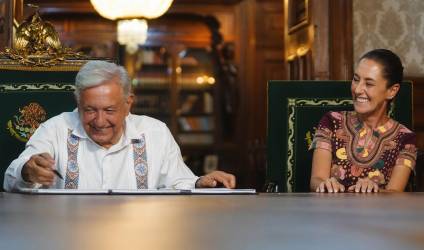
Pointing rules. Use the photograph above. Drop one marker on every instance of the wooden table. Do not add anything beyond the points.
(264, 221)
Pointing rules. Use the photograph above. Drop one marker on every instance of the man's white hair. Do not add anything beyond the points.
(94, 73)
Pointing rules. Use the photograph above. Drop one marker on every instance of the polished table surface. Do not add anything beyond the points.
(264, 221)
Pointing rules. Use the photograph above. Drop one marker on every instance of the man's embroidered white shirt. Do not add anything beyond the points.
(101, 168)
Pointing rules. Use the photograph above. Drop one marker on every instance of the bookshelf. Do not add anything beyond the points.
(176, 79)
(152, 83)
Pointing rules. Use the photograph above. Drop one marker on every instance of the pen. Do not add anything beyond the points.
(57, 173)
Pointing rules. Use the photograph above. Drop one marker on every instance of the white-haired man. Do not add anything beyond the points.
(102, 145)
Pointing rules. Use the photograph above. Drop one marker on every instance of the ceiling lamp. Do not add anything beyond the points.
(132, 28)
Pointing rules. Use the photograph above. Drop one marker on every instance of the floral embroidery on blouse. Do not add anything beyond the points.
(358, 152)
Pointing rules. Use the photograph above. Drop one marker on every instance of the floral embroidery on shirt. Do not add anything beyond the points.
(72, 170)
(356, 171)
(341, 134)
(140, 162)
(390, 145)
(341, 154)
(376, 176)
(338, 172)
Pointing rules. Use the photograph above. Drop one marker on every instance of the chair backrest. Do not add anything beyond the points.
(419, 168)
(29, 96)
(294, 110)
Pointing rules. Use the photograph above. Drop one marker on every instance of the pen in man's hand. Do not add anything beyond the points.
(57, 173)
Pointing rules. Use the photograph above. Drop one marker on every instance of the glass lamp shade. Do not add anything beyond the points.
(132, 33)
(124, 9)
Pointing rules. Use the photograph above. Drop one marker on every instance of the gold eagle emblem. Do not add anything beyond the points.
(37, 43)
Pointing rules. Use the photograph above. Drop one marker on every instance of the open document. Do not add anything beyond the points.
(139, 191)
(62, 191)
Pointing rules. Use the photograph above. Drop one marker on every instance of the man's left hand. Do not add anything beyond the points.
(211, 180)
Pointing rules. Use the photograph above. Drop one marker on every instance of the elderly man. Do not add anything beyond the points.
(103, 146)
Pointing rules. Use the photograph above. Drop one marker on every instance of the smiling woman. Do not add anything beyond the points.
(365, 150)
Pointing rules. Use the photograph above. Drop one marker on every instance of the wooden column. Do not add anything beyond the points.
(262, 59)
(341, 39)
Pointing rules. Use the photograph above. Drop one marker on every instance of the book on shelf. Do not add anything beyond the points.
(188, 124)
(196, 80)
(188, 103)
(196, 103)
(152, 80)
(189, 62)
(196, 139)
(151, 103)
(184, 125)
(207, 103)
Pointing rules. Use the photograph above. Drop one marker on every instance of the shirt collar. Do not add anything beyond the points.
(130, 132)
(78, 129)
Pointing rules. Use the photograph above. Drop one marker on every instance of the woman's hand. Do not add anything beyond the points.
(330, 185)
(364, 185)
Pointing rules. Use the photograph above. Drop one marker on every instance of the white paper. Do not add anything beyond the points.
(222, 191)
(63, 191)
(139, 191)
(146, 191)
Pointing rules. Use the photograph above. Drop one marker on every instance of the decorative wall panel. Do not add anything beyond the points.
(392, 24)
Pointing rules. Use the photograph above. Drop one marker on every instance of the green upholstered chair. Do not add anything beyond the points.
(29, 96)
(294, 110)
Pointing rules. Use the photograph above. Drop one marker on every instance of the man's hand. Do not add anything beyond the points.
(38, 169)
(364, 185)
(330, 185)
(211, 180)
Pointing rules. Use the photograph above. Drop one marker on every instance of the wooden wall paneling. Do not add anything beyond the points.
(225, 14)
(269, 52)
(299, 39)
(328, 37)
(269, 23)
(89, 33)
(320, 48)
(341, 39)
(246, 41)
(418, 109)
(306, 66)
(265, 61)
(293, 69)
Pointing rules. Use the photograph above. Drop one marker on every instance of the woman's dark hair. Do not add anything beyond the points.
(392, 65)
